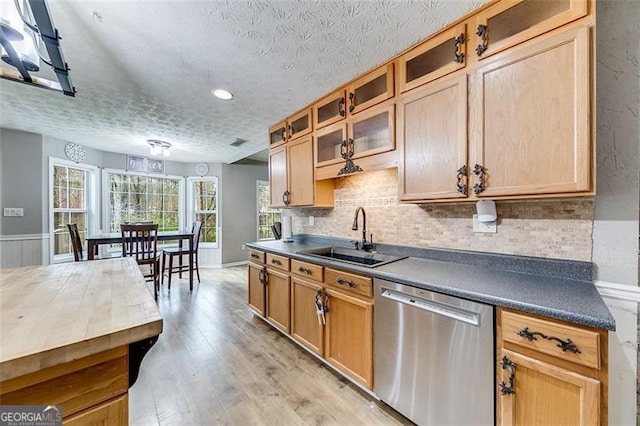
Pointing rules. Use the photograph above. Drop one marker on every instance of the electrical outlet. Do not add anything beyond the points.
(19, 212)
(244, 247)
(484, 227)
(312, 220)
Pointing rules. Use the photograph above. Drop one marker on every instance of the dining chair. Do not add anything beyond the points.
(76, 242)
(141, 241)
(171, 252)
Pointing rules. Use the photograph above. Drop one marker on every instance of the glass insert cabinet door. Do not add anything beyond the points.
(509, 23)
(328, 142)
(372, 132)
(433, 59)
(371, 89)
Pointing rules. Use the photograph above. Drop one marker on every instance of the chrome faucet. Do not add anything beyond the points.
(366, 245)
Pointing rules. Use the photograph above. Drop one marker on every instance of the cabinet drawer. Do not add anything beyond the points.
(307, 270)
(279, 262)
(346, 281)
(256, 256)
(114, 412)
(75, 385)
(550, 337)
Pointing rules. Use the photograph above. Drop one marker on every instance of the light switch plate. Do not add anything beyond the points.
(484, 227)
(19, 212)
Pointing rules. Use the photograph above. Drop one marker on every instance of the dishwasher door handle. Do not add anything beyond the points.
(432, 306)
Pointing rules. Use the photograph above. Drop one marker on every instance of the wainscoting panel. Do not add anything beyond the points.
(24, 250)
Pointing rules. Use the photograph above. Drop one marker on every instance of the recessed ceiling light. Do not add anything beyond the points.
(222, 94)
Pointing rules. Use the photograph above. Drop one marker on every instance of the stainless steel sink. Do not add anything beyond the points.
(356, 257)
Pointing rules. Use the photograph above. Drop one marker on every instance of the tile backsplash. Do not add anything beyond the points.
(545, 228)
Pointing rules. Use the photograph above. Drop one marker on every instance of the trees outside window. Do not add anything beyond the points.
(266, 215)
(139, 198)
(69, 206)
(204, 207)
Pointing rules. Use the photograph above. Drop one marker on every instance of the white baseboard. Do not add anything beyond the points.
(224, 265)
(23, 237)
(627, 292)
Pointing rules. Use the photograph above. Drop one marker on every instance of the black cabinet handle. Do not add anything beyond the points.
(479, 171)
(255, 256)
(341, 111)
(276, 262)
(565, 345)
(461, 173)
(285, 198)
(284, 134)
(262, 276)
(352, 101)
(483, 33)
(459, 42)
(305, 270)
(508, 388)
(342, 281)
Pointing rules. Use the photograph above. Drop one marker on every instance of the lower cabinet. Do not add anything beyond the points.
(306, 326)
(114, 412)
(278, 299)
(349, 336)
(550, 372)
(256, 291)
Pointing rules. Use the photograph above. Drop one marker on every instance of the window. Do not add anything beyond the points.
(141, 198)
(203, 204)
(71, 190)
(266, 215)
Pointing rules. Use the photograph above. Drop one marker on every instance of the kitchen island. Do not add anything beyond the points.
(74, 334)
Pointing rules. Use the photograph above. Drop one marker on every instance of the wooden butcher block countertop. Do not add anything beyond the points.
(57, 313)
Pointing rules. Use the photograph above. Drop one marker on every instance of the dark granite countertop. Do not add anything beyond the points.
(554, 288)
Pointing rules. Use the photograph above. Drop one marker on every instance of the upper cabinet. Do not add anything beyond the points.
(433, 59)
(368, 133)
(530, 119)
(291, 177)
(432, 141)
(299, 124)
(371, 89)
(497, 105)
(510, 22)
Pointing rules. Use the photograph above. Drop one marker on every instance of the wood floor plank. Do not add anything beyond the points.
(216, 363)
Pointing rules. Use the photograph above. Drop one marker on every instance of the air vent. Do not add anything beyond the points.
(239, 142)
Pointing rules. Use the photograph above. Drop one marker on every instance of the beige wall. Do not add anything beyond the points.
(553, 228)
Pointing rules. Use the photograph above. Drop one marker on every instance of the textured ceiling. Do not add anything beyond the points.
(145, 70)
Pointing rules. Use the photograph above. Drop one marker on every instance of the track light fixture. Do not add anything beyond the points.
(26, 28)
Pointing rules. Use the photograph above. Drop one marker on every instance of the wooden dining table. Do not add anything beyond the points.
(95, 240)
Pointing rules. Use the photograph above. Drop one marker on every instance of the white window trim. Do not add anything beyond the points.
(191, 214)
(258, 184)
(106, 210)
(92, 200)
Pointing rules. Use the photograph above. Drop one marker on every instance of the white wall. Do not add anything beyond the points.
(616, 224)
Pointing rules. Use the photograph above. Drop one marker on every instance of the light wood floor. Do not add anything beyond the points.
(216, 363)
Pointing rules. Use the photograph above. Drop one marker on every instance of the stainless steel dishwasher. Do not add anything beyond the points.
(434, 355)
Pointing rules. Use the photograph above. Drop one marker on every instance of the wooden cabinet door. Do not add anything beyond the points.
(371, 89)
(432, 141)
(305, 327)
(278, 176)
(510, 22)
(349, 336)
(544, 394)
(530, 119)
(373, 131)
(278, 134)
(433, 59)
(299, 124)
(279, 300)
(256, 288)
(300, 169)
(330, 109)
